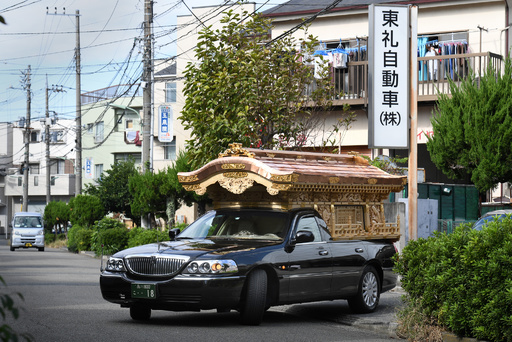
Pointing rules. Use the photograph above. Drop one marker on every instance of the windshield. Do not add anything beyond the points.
(28, 222)
(268, 225)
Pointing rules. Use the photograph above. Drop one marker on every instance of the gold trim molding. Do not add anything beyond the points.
(188, 179)
(242, 174)
(233, 166)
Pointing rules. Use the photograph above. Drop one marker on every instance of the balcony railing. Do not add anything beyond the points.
(351, 84)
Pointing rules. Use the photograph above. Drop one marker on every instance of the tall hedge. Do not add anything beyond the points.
(464, 279)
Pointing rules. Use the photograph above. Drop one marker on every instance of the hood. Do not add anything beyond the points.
(196, 248)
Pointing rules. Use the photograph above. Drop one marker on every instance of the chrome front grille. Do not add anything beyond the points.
(155, 265)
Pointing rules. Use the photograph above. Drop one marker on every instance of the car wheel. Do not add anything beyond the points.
(254, 303)
(368, 293)
(12, 249)
(140, 312)
(41, 249)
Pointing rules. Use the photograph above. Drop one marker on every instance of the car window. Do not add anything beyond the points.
(28, 222)
(239, 225)
(308, 223)
(324, 230)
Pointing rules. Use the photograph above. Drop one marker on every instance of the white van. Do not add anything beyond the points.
(27, 231)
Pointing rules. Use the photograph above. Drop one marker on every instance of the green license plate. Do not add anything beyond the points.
(143, 291)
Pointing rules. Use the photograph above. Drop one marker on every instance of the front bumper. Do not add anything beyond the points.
(20, 241)
(181, 293)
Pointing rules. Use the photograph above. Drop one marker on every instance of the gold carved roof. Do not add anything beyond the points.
(239, 168)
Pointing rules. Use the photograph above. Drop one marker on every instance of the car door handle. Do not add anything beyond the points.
(323, 252)
(359, 250)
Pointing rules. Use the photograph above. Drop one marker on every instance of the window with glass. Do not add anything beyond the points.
(98, 170)
(36, 180)
(90, 128)
(57, 167)
(170, 150)
(34, 169)
(124, 157)
(98, 137)
(170, 92)
(34, 136)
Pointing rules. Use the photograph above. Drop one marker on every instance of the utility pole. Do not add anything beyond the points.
(25, 167)
(47, 140)
(147, 86)
(78, 119)
(78, 159)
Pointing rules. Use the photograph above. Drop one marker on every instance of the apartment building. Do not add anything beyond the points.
(454, 38)
(58, 159)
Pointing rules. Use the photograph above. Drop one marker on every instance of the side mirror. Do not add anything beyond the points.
(304, 236)
(173, 232)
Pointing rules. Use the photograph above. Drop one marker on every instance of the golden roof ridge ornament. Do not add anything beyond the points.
(236, 150)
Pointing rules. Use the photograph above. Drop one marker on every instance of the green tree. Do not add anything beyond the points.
(473, 129)
(112, 188)
(85, 210)
(147, 192)
(56, 213)
(160, 194)
(245, 90)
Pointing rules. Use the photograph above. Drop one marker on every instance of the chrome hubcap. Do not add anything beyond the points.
(370, 289)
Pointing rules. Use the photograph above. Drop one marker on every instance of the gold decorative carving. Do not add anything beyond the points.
(334, 180)
(372, 181)
(271, 155)
(300, 157)
(236, 150)
(187, 179)
(233, 166)
(236, 185)
(284, 178)
(349, 197)
(404, 181)
(272, 191)
(326, 158)
(193, 187)
(241, 174)
(281, 187)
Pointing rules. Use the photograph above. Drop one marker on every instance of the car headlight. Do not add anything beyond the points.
(115, 265)
(41, 232)
(17, 232)
(211, 267)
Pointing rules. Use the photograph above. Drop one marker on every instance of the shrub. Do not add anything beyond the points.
(79, 239)
(140, 236)
(109, 236)
(85, 210)
(464, 279)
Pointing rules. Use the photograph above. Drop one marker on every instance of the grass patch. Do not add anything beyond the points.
(414, 325)
(57, 244)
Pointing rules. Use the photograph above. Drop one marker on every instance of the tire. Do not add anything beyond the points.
(41, 249)
(254, 303)
(140, 312)
(12, 249)
(368, 292)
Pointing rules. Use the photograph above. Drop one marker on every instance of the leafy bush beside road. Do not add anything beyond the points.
(463, 280)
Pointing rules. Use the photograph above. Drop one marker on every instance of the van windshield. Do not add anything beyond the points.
(27, 222)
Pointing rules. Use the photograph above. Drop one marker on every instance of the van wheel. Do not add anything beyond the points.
(368, 293)
(41, 249)
(12, 249)
(253, 308)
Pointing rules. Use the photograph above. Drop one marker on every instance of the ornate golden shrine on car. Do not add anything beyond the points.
(345, 189)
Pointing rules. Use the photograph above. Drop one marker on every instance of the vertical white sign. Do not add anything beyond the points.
(165, 133)
(88, 168)
(388, 77)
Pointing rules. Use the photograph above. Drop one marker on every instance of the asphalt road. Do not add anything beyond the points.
(62, 302)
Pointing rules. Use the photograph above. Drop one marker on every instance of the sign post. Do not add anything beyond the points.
(392, 84)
